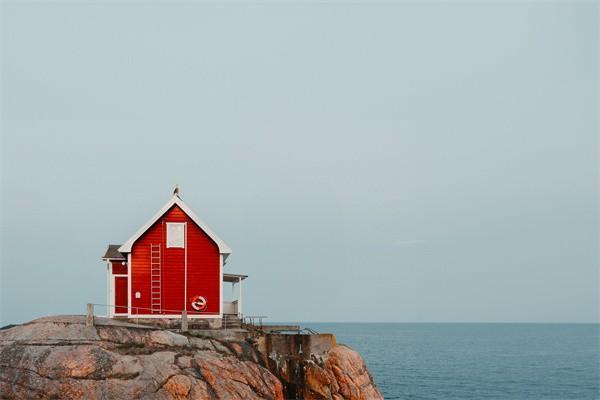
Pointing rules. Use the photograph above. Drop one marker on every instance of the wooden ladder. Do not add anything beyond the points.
(155, 279)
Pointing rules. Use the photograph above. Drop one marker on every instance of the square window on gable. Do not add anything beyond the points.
(176, 234)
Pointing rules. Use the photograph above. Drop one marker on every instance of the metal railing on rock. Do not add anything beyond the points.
(255, 321)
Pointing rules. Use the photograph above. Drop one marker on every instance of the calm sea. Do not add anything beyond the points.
(477, 361)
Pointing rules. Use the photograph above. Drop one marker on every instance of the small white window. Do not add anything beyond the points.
(176, 234)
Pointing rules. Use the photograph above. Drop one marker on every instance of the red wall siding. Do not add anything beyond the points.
(202, 267)
(118, 268)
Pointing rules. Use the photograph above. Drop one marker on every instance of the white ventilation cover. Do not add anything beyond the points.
(175, 234)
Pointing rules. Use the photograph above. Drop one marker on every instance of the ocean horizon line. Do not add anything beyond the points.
(439, 322)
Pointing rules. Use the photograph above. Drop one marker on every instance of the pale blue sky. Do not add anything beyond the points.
(388, 162)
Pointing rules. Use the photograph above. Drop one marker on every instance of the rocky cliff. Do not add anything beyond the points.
(62, 358)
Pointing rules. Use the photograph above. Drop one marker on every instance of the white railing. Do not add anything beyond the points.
(230, 307)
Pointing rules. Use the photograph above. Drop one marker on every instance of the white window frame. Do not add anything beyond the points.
(168, 244)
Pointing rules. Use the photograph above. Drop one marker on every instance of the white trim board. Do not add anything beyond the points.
(129, 270)
(221, 258)
(108, 288)
(178, 316)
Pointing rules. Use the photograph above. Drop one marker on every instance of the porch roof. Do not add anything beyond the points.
(233, 278)
(112, 253)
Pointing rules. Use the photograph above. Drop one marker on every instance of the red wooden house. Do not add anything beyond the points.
(171, 264)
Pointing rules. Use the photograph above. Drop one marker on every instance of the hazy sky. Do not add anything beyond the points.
(388, 162)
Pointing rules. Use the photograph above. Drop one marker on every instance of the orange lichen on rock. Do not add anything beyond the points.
(342, 375)
(62, 358)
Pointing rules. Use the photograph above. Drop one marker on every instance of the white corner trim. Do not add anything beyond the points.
(108, 288)
(129, 270)
(221, 286)
(175, 200)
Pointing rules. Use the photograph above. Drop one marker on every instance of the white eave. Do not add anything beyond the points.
(175, 200)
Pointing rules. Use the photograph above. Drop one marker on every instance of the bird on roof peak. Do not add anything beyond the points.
(176, 191)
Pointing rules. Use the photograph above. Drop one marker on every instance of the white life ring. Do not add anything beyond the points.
(199, 303)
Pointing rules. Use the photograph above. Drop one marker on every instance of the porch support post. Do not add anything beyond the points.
(240, 298)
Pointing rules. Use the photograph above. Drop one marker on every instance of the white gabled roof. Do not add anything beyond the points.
(175, 200)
